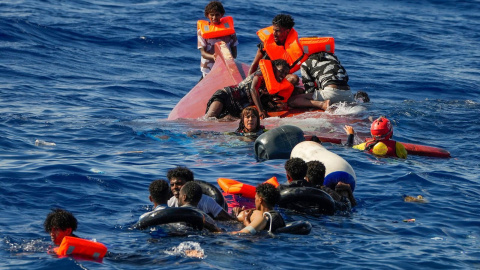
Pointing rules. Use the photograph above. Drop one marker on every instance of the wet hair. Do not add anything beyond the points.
(315, 172)
(159, 190)
(193, 193)
(269, 193)
(284, 21)
(60, 219)
(213, 7)
(296, 168)
(363, 96)
(245, 112)
(180, 172)
(280, 62)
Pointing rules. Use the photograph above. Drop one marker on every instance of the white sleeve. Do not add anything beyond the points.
(201, 43)
(208, 205)
(172, 202)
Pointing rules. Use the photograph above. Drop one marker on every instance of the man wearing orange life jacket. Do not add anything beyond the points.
(218, 28)
(280, 41)
(380, 144)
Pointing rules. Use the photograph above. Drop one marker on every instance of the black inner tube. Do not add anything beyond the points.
(172, 215)
(307, 200)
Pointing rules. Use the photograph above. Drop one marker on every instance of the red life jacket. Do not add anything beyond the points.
(210, 30)
(381, 148)
(291, 52)
(77, 246)
(283, 88)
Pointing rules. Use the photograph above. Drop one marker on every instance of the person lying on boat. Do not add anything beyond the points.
(230, 101)
(380, 144)
(159, 195)
(178, 177)
(60, 223)
(263, 217)
(217, 29)
(325, 81)
(189, 196)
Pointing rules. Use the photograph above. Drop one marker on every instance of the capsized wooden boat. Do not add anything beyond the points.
(225, 72)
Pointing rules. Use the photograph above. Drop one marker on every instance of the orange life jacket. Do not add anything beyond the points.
(77, 246)
(210, 30)
(291, 52)
(283, 89)
(311, 45)
(248, 191)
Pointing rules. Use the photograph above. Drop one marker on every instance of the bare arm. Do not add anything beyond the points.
(256, 60)
(258, 222)
(256, 98)
(206, 55)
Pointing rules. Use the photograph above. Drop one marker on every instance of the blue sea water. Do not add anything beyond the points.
(99, 78)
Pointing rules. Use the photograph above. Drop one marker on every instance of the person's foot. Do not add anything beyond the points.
(325, 105)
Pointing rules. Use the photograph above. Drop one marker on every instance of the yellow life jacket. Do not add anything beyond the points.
(283, 88)
(383, 148)
(210, 30)
(77, 246)
(291, 52)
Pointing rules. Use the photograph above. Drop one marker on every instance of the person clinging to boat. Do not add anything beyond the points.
(326, 83)
(380, 144)
(280, 41)
(230, 101)
(218, 28)
(263, 217)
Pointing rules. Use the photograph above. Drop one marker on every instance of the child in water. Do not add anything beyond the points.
(218, 28)
(231, 100)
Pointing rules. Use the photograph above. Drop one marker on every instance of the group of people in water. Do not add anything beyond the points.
(182, 190)
(271, 84)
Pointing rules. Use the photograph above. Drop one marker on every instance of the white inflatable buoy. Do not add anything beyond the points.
(337, 169)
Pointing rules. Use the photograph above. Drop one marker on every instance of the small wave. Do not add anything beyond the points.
(188, 249)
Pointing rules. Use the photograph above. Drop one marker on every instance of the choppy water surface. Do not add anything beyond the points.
(99, 78)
